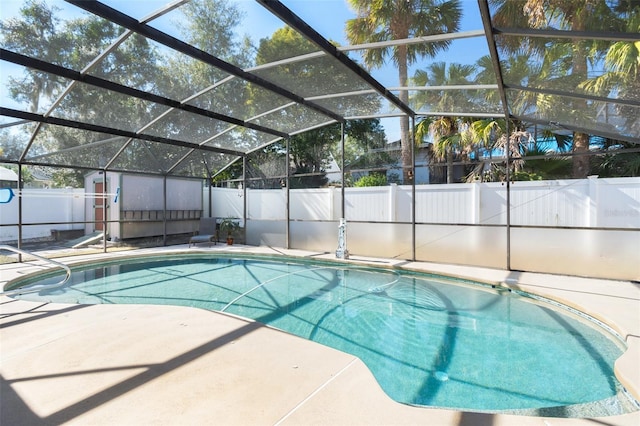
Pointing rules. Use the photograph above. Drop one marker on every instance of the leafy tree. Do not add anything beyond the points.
(517, 69)
(133, 63)
(211, 25)
(542, 168)
(284, 43)
(75, 43)
(232, 171)
(619, 165)
(309, 77)
(267, 167)
(490, 134)
(35, 33)
(619, 158)
(11, 144)
(442, 74)
(63, 178)
(449, 133)
(378, 21)
(27, 176)
(365, 145)
(311, 151)
(493, 135)
(310, 155)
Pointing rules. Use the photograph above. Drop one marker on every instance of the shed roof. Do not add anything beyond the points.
(7, 174)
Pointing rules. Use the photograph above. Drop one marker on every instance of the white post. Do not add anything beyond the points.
(393, 214)
(475, 202)
(331, 192)
(342, 252)
(592, 201)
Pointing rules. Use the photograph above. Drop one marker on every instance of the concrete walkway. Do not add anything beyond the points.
(166, 365)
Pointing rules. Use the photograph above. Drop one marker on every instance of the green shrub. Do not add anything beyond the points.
(372, 180)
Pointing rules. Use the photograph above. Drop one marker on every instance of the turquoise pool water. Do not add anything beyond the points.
(428, 340)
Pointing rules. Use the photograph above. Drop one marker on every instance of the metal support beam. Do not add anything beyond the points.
(20, 195)
(413, 189)
(508, 200)
(110, 130)
(342, 191)
(244, 196)
(575, 95)
(288, 194)
(105, 211)
(493, 51)
(569, 35)
(164, 208)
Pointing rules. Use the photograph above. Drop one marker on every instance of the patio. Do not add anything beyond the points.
(106, 364)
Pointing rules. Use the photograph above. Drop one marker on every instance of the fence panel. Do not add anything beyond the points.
(550, 203)
(41, 206)
(617, 203)
(312, 204)
(226, 202)
(444, 203)
(266, 204)
(369, 204)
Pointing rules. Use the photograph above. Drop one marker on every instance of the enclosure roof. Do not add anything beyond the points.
(166, 88)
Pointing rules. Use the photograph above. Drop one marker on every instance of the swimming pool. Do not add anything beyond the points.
(428, 340)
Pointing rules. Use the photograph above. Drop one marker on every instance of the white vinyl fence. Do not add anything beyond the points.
(61, 207)
(575, 226)
(587, 227)
(599, 203)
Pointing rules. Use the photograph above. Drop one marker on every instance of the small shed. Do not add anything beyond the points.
(135, 205)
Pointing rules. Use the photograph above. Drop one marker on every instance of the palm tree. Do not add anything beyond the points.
(443, 74)
(621, 76)
(449, 133)
(378, 21)
(493, 134)
(451, 138)
(574, 15)
(516, 69)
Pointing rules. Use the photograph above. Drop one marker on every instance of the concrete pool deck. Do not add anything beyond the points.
(169, 365)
